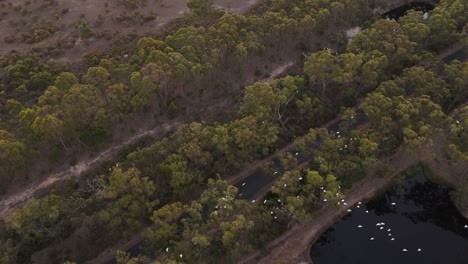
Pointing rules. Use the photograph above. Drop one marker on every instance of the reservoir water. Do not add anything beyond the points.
(413, 223)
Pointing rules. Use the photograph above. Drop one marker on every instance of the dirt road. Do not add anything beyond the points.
(81, 167)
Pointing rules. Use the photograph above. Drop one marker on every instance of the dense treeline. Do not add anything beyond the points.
(156, 184)
(60, 113)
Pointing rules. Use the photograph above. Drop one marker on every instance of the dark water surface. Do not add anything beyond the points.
(423, 218)
(402, 10)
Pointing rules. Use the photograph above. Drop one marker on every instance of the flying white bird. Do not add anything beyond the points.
(358, 206)
(359, 226)
(367, 211)
(253, 201)
(297, 153)
(404, 250)
(389, 234)
(349, 210)
(381, 227)
(371, 238)
(243, 183)
(419, 250)
(388, 230)
(392, 238)
(345, 203)
(265, 201)
(167, 249)
(393, 203)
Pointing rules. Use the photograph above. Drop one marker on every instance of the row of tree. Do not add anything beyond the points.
(96, 212)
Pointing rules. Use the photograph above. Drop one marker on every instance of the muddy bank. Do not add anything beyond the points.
(294, 246)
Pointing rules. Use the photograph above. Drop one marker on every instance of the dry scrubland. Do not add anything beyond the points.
(66, 29)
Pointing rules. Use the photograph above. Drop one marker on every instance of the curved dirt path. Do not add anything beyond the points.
(295, 244)
(80, 167)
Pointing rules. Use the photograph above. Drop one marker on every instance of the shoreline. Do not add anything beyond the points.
(294, 246)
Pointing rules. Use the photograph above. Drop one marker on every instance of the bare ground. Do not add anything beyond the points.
(80, 167)
(107, 19)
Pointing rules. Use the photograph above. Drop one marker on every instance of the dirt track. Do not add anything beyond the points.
(79, 168)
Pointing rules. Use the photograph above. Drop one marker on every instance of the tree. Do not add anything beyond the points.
(387, 37)
(443, 29)
(130, 197)
(414, 26)
(200, 7)
(100, 78)
(12, 154)
(50, 128)
(33, 226)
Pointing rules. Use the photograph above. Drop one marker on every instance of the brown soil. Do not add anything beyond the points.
(107, 20)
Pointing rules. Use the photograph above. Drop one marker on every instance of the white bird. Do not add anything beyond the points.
(419, 250)
(300, 178)
(389, 234)
(458, 122)
(378, 224)
(285, 185)
(349, 210)
(382, 223)
(324, 200)
(297, 153)
(167, 249)
(276, 217)
(466, 226)
(337, 132)
(358, 206)
(181, 255)
(345, 203)
(371, 238)
(342, 200)
(405, 250)
(393, 203)
(276, 172)
(388, 230)
(381, 227)
(271, 212)
(359, 203)
(265, 201)
(359, 226)
(324, 191)
(321, 188)
(367, 211)
(279, 200)
(392, 239)
(253, 201)
(243, 183)
(339, 136)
